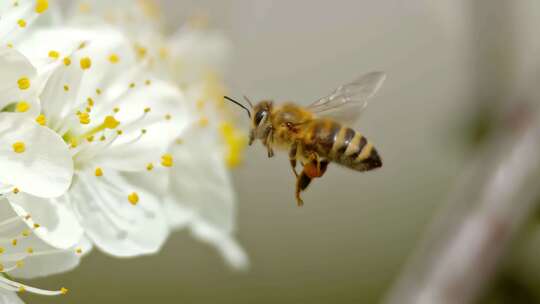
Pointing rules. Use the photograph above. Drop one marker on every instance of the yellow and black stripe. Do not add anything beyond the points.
(342, 145)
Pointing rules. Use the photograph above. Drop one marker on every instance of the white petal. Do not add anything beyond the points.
(163, 99)
(9, 28)
(43, 265)
(60, 96)
(60, 227)
(9, 297)
(229, 248)
(30, 246)
(111, 222)
(14, 68)
(200, 180)
(44, 169)
(198, 52)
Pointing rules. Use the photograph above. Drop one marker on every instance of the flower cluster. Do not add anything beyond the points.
(112, 135)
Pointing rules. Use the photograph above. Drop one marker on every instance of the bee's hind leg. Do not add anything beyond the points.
(302, 182)
(315, 167)
(311, 171)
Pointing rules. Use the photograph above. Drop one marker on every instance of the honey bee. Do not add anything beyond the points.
(319, 133)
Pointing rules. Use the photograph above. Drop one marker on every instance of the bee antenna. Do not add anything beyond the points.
(248, 101)
(239, 104)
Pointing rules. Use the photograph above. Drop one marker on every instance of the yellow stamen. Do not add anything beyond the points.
(167, 160)
(19, 147)
(86, 63)
(114, 58)
(54, 54)
(22, 106)
(133, 198)
(24, 83)
(41, 119)
(235, 143)
(84, 118)
(21, 23)
(99, 171)
(67, 61)
(41, 6)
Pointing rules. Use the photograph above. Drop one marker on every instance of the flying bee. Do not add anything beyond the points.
(319, 133)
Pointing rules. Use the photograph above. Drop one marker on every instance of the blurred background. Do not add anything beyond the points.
(453, 67)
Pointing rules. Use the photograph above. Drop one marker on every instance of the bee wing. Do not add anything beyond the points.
(348, 101)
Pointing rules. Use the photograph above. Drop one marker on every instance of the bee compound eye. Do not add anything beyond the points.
(259, 117)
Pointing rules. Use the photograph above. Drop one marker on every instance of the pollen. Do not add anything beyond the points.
(168, 116)
(90, 102)
(113, 58)
(84, 118)
(26, 233)
(200, 105)
(21, 23)
(14, 242)
(150, 167)
(110, 122)
(19, 147)
(66, 88)
(41, 119)
(24, 83)
(235, 144)
(22, 289)
(64, 290)
(22, 106)
(98, 91)
(67, 61)
(203, 122)
(2, 250)
(148, 82)
(132, 85)
(19, 264)
(30, 250)
(86, 63)
(16, 190)
(54, 55)
(99, 171)
(133, 198)
(78, 251)
(146, 110)
(41, 6)
(167, 160)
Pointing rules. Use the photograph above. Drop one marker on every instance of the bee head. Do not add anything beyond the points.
(260, 122)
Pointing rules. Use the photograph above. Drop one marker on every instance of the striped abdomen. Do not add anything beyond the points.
(341, 145)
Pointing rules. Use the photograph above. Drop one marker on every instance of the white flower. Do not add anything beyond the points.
(200, 194)
(119, 122)
(34, 245)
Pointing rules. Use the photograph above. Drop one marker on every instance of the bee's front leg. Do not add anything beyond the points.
(269, 142)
